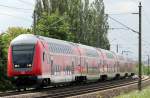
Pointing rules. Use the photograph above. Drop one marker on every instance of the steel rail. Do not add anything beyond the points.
(65, 91)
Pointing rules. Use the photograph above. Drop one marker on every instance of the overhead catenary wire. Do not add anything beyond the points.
(128, 28)
(58, 21)
(118, 29)
(144, 14)
(122, 24)
(25, 2)
(16, 8)
(125, 13)
(16, 17)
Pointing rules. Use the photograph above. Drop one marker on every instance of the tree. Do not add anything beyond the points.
(87, 22)
(9, 35)
(101, 24)
(54, 26)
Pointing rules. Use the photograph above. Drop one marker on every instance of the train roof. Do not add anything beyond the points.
(24, 39)
(56, 41)
(106, 51)
(86, 47)
(32, 39)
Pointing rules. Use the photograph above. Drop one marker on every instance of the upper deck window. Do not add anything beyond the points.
(91, 53)
(60, 48)
(109, 55)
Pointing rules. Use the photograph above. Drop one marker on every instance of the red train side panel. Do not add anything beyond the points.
(10, 63)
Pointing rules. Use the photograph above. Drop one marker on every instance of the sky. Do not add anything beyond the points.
(21, 15)
(120, 10)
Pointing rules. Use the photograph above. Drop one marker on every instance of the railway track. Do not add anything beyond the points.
(66, 91)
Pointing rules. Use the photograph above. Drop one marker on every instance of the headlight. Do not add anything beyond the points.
(16, 65)
(29, 65)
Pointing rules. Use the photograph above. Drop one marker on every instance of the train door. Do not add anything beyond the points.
(80, 61)
(100, 66)
(87, 69)
(44, 62)
(72, 70)
(52, 71)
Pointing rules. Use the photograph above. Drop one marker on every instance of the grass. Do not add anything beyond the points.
(145, 93)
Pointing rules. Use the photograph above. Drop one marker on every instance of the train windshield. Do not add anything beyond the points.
(22, 56)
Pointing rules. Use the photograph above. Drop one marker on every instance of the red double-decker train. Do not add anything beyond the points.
(40, 60)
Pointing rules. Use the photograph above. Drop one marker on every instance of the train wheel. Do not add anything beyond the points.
(132, 74)
(24, 89)
(18, 89)
(103, 78)
(45, 82)
(126, 75)
(117, 77)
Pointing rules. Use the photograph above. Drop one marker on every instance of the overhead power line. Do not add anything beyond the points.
(118, 28)
(126, 13)
(128, 27)
(58, 21)
(17, 8)
(16, 17)
(122, 24)
(25, 2)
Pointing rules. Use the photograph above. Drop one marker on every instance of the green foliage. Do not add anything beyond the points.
(146, 70)
(51, 26)
(5, 39)
(80, 20)
(10, 34)
(145, 93)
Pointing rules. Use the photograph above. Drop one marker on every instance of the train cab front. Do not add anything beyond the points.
(23, 60)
